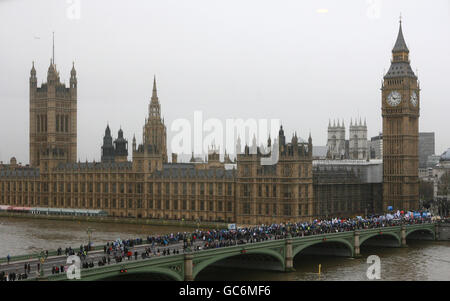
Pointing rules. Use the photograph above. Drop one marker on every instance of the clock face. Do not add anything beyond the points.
(414, 98)
(394, 98)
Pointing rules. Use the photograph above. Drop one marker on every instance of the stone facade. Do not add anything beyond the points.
(53, 119)
(400, 110)
(336, 141)
(358, 146)
(150, 187)
(246, 191)
(355, 148)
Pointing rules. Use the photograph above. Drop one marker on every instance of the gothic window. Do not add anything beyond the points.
(246, 208)
(229, 206)
(287, 171)
(287, 209)
(246, 190)
(57, 123)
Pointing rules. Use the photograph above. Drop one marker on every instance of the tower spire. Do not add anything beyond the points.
(400, 44)
(154, 93)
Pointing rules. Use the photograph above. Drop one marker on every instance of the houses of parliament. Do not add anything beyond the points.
(298, 187)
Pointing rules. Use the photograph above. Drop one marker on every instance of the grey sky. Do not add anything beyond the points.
(229, 59)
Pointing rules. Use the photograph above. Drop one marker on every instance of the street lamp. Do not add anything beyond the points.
(89, 233)
(42, 261)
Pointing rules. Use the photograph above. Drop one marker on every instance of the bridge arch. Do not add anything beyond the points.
(428, 230)
(203, 264)
(138, 270)
(297, 249)
(365, 237)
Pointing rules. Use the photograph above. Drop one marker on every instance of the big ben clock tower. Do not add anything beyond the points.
(400, 110)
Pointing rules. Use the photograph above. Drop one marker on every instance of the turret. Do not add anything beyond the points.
(73, 79)
(107, 147)
(121, 148)
(33, 81)
(281, 137)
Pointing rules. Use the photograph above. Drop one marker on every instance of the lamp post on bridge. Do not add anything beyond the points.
(41, 266)
(89, 233)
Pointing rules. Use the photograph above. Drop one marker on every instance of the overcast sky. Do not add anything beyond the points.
(303, 62)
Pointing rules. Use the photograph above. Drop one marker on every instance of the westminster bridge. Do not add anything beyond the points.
(276, 254)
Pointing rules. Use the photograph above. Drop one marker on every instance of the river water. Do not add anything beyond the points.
(422, 260)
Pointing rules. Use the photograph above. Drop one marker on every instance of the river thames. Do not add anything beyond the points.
(422, 260)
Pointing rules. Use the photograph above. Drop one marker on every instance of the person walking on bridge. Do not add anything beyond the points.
(8, 258)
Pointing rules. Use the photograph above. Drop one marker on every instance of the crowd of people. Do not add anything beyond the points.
(172, 244)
